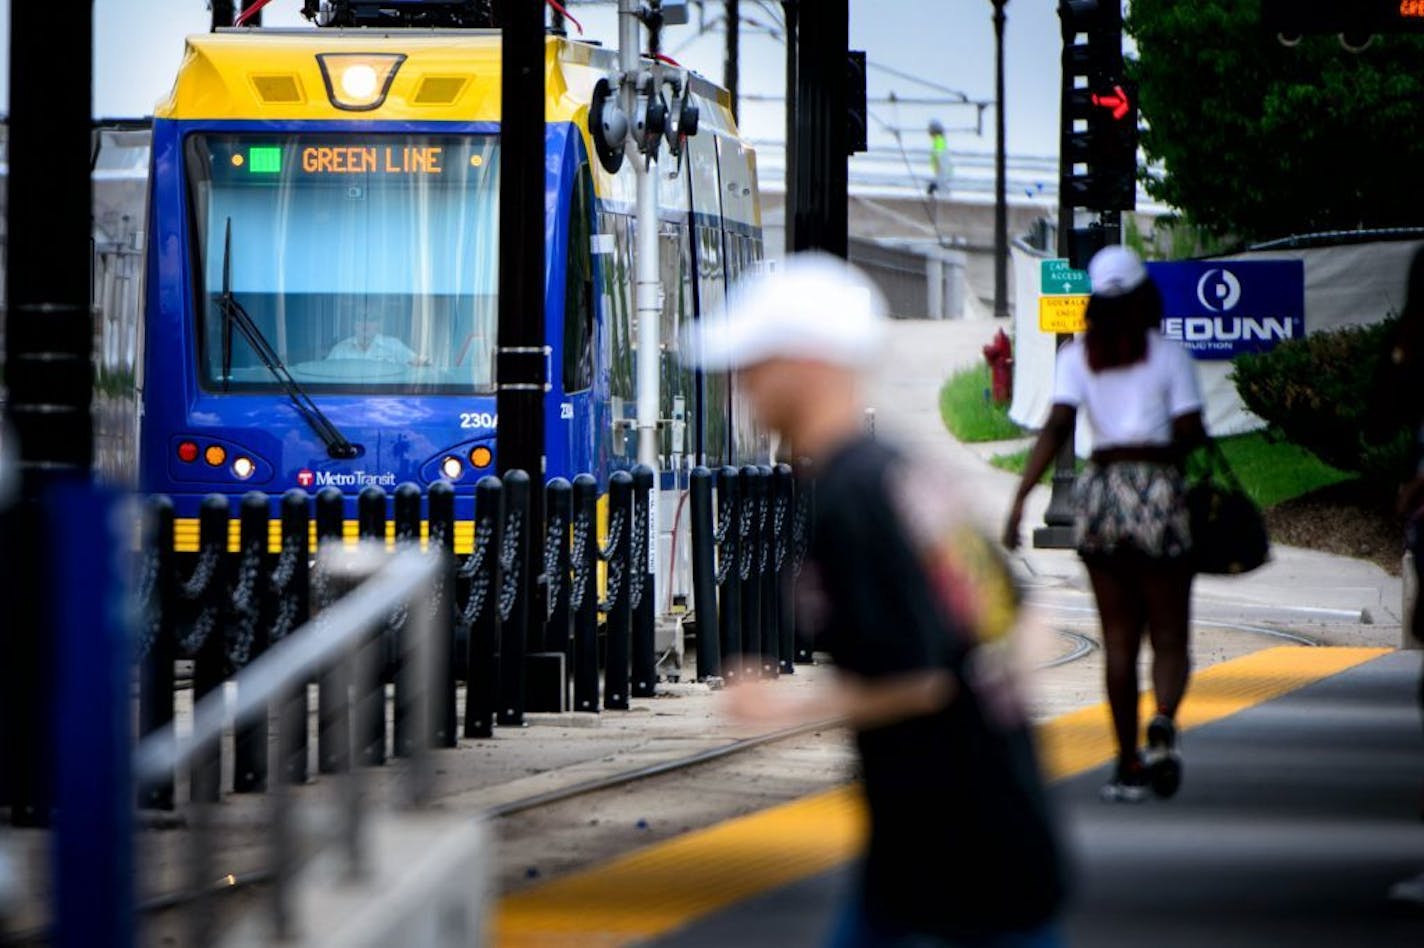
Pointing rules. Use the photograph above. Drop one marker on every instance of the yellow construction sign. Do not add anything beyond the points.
(1065, 314)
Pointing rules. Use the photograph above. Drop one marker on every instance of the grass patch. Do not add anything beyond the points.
(1016, 462)
(968, 411)
(1270, 471)
(1276, 471)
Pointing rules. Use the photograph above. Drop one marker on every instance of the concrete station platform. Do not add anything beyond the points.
(1301, 807)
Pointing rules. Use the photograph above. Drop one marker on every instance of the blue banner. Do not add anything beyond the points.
(1220, 309)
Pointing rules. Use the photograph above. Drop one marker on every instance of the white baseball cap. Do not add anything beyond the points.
(814, 307)
(1116, 271)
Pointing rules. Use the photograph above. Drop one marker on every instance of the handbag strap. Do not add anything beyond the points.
(1219, 466)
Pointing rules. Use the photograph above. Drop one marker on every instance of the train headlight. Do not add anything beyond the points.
(215, 455)
(481, 456)
(358, 82)
(243, 468)
(452, 468)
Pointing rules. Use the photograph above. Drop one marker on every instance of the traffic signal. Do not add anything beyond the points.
(1099, 110)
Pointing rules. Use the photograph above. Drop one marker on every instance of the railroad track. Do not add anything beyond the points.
(1080, 646)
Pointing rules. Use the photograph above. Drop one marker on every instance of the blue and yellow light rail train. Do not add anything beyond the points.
(322, 269)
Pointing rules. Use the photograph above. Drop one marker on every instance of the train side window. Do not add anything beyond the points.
(579, 290)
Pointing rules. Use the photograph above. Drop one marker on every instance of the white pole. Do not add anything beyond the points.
(648, 290)
(649, 317)
(630, 56)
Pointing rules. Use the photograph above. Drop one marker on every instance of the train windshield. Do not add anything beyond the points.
(369, 262)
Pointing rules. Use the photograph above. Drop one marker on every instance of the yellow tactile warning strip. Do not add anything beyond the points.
(655, 890)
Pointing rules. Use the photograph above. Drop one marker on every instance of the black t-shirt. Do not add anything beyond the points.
(960, 839)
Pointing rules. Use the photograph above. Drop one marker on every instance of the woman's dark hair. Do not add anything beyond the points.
(1117, 326)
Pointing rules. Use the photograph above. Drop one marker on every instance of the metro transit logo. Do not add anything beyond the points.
(309, 478)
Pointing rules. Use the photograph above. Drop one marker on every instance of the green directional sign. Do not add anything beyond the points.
(1059, 279)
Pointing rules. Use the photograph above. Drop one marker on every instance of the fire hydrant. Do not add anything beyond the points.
(1000, 356)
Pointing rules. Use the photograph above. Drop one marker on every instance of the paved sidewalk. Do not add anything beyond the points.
(905, 395)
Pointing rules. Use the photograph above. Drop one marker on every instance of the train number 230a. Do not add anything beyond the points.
(478, 419)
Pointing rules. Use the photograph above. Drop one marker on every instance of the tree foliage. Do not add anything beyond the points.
(1251, 138)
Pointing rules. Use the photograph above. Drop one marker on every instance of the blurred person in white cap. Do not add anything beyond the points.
(915, 608)
(1133, 532)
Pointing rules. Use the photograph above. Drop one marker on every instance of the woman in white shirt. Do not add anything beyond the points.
(1144, 405)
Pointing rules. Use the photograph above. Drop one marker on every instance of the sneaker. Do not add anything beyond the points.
(1127, 786)
(1164, 764)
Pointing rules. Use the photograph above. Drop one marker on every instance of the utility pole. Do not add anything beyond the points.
(1001, 201)
(731, 74)
(224, 13)
(820, 172)
(649, 274)
(792, 10)
(48, 361)
(522, 351)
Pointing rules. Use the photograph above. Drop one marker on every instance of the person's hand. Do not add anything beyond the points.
(754, 703)
(1011, 537)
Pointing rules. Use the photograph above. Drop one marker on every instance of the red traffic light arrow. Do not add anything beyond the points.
(1118, 101)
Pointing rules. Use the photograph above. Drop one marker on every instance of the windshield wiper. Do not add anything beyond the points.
(235, 315)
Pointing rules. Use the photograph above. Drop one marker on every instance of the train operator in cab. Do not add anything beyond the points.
(370, 344)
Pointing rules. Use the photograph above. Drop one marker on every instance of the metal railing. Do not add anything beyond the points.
(341, 643)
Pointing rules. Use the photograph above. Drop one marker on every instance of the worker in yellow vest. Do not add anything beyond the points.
(939, 158)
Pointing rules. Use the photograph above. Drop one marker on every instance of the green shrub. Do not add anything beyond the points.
(1326, 393)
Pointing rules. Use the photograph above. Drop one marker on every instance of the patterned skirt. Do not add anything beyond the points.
(1133, 507)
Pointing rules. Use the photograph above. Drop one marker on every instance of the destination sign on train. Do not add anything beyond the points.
(339, 160)
(373, 159)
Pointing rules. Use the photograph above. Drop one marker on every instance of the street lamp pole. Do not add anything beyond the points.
(1001, 202)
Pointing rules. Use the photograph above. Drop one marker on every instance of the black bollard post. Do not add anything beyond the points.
(442, 543)
(784, 489)
(749, 561)
(618, 554)
(642, 600)
(291, 583)
(558, 514)
(247, 637)
(333, 748)
(800, 542)
(546, 668)
(704, 575)
(481, 611)
(583, 599)
(407, 511)
(766, 565)
(729, 570)
(370, 696)
(156, 654)
(210, 583)
(513, 600)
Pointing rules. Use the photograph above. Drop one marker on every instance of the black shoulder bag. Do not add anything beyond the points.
(1228, 529)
